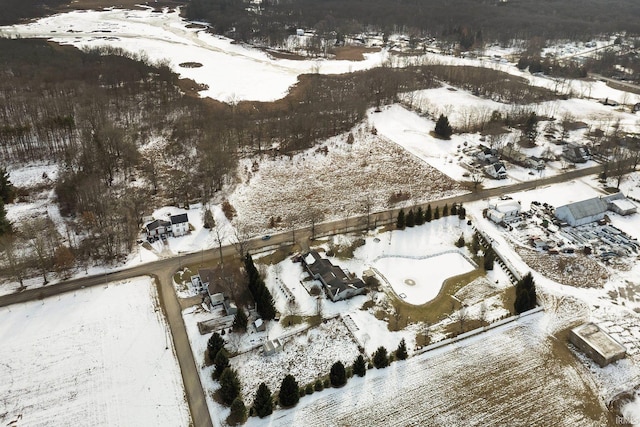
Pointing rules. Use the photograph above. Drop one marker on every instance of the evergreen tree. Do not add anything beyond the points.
(411, 219)
(443, 128)
(263, 403)
(5, 225)
(359, 366)
(436, 213)
(460, 242)
(214, 345)
(338, 375)
(428, 215)
(454, 209)
(238, 413)
(221, 362)
(240, 321)
(380, 358)
(261, 295)
(489, 258)
(289, 393)
(401, 351)
(462, 212)
(419, 216)
(7, 190)
(525, 294)
(400, 224)
(229, 386)
(445, 210)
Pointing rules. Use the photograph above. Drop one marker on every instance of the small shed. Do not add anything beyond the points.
(217, 299)
(272, 347)
(597, 344)
(259, 325)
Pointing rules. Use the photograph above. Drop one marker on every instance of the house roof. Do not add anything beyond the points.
(585, 208)
(157, 223)
(179, 219)
(332, 276)
(598, 340)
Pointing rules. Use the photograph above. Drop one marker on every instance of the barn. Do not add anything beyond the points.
(583, 212)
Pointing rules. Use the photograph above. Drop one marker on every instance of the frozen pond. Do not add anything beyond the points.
(418, 281)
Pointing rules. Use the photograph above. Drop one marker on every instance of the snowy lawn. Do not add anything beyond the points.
(93, 357)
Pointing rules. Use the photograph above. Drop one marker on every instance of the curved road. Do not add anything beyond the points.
(164, 269)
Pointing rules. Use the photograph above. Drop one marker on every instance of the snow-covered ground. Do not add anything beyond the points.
(101, 356)
(232, 72)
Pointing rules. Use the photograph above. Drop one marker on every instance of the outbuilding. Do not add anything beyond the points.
(583, 212)
(597, 344)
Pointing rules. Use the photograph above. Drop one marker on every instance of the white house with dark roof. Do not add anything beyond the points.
(157, 228)
(179, 224)
(496, 170)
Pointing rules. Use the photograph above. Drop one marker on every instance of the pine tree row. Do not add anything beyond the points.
(261, 295)
(420, 216)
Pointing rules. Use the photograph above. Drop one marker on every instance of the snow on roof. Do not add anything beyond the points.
(598, 340)
(179, 219)
(624, 205)
(309, 259)
(585, 208)
(505, 206)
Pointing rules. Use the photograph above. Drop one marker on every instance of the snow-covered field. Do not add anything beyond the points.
(101, 356)
(498, 378)
(232, 72)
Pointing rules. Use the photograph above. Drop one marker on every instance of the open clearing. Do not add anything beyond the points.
(95, 357)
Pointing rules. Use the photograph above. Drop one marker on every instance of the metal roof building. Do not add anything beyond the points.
(583, 212)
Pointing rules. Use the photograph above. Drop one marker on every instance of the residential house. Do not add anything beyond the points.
(582, 212)
(504, 211)
(511, 153)
(496, 170)
(335, 280)
(197, 284)
(156, 229)
(272, 347)
(576, 153)
(535, 163)
(260, 325)
(179, 224)
(486, 154)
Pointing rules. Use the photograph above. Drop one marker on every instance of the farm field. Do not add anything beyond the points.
(511, 376)
(101, 357)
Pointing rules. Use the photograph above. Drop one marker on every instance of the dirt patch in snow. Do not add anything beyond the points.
(573, 270)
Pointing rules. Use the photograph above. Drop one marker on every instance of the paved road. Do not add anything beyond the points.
(164, 269)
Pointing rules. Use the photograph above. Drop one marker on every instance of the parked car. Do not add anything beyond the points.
(267, 237)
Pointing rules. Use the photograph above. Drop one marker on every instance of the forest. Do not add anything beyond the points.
(129, 136)
(467, 21)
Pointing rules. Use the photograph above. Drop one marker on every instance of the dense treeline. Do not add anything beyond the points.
(94, 113)
(466, 21)
(15, 10)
